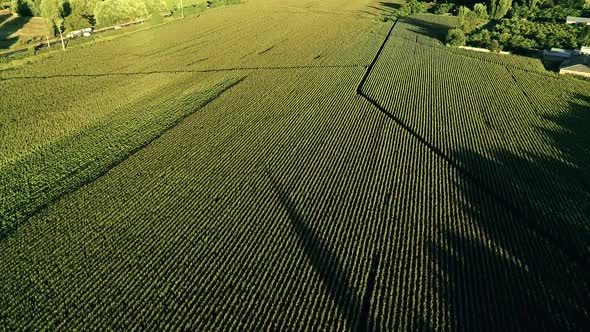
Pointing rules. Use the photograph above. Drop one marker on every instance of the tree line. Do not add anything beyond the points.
(514, 25)
(76, 14)
(522, 25)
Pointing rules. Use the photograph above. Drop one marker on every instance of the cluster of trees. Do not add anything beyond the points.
(550, 14)
(519, 26)
(411, 7)
(34, 7)
(77, 14)
(111, 12)
(522, 35)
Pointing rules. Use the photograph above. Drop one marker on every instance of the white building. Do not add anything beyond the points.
(556, 54)
(579, 66)
(577, 20)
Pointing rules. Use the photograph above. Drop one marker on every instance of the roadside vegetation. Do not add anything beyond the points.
(53, 16)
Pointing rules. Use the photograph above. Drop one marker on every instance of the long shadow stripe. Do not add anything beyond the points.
(527, 217)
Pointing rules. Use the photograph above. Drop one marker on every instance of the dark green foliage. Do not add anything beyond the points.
(566, 3)
(528, 3)
(412, 7)
(53, 11)
(481, 11)
(494, 46)
(443, 8)
(470, 20)
(456, 37)
(516, 34)
(556, 14)
(469, 3)
(111, 12)
(530, 25)
(75, 22)
(584, 35)
(498, 8)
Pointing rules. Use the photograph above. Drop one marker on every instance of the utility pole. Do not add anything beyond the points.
(181, 9)
(62, 38)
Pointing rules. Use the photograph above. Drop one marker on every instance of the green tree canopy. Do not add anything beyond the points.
(53, 12)
(456, 37)
(481, 11)
(499, 8)
(110, 12)
(83, 7)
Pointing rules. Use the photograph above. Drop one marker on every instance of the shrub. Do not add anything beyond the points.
(494, 46)
(469, 20)
(110, 12)
(412, 7)
(517, 34)
(31, 50)
(481, 11)
(480, 37)
(499, 8)
(456, 37)
(76, 22)
(443, 8)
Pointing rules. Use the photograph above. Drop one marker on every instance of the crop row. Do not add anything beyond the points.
(229, 38)
(513, 129)
(221, 161)
(75, 151)
(267, 208)
(268, 214)
(58, 134)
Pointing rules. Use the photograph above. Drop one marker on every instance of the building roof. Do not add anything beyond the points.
(578, 65)
(574, 19)
(557, 54)
(560, 50)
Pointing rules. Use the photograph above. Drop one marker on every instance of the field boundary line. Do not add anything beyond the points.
(114, 164)
(184, 71)
(527, 217)
(368, 70)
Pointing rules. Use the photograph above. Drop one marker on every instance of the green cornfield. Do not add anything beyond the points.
(234, 171)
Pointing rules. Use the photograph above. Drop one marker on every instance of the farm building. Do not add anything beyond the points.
(558, 54)
(578, 65)
(577, 20)
(79, 33)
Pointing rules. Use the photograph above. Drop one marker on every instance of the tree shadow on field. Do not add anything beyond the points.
(7, 29)
(385, 9)
(391, 5)
(553, 189)
(504, 273)
(427, 28)
(325, 263)
(424, 33)
(4, 17)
